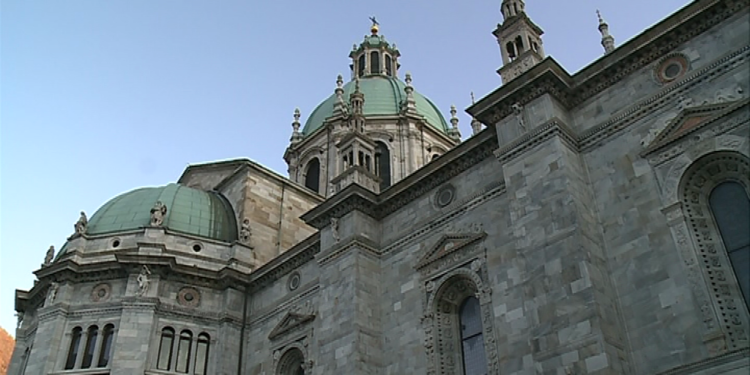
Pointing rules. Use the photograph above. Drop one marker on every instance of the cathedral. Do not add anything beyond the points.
(592, 223)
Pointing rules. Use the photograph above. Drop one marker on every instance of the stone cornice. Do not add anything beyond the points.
(709, 363)
(354, 197)
(642, 50)
(243, 164)
(288, 261)
(368, 247)
(538, 135)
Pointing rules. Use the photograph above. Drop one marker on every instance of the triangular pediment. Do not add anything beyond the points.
(690, 120)
(447, 245)
(290, 321)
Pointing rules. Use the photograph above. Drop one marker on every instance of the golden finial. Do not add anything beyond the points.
(375, 26)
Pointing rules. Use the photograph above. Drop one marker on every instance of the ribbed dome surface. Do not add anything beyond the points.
(383, 96)
(190, 211)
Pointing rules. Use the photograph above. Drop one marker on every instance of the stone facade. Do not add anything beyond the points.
(578, 221)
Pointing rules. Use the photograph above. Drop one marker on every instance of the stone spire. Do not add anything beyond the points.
(296, 135)
(520, 40)
(476, 126)
(453, 132)
(410, 105)
(608, 41)
(339, 107)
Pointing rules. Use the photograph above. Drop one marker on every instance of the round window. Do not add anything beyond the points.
(672, 70)
(445, 195)
(294, 281)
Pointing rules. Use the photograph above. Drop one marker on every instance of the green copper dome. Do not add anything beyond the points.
(383, 96)
(190, 211)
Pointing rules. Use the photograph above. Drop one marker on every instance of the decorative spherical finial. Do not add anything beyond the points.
(339, 81)
(296, 114)
(374, 28)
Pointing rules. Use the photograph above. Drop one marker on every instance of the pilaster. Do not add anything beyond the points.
(561, 248)
(350, 332)
(44, 356)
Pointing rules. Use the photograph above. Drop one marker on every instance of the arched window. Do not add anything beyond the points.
(714, 192)
(164, 361)
(75, 342)
(107, 337)
(361, 66)
(312, 175)
(519, 45)
(183, 351)
(388, 66)
(730, 206)
(511, 49)
(374, 62)
(291, 363)
(201, 354)
(383, 164)
(472, 340)
(457, 326)
(88, 353)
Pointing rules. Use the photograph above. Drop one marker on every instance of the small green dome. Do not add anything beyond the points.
(383, 96)
(190, 211)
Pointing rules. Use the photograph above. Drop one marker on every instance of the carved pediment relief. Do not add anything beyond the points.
(449, 244)
(686, 122)
(289, 322)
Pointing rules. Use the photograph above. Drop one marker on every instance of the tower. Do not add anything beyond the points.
(376, 115)
(608, 41)
(520, 40)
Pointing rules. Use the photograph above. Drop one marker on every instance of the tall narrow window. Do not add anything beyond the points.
(374, 63)
(201, 354)
(472, 342)
(383, 164)
(361, 66)
(312, 176)
(511, 49)
(519, 45)
(183, 351)
(107, 337)
(164, 361)
(388, 66)
(75, 342)
(88, 353)
(731, 208)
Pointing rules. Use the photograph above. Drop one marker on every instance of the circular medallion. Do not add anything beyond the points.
(444, 196)
(101, 292)
(294, 281)
(671, 67)
(189, 297)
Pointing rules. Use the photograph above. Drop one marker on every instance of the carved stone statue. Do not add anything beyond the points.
(245, 231)
(49, 256)
(52, 292)
(518, 112)
(143, 281)
(335, 229)
(81, 224)
(158, 212)
(19, 319)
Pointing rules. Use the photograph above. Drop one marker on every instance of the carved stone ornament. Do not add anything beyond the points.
(441, 321)
(705, 258)
(245, 232)
(19, 319)
(335, 229)
(518, 113)
(82, 224)
(52, 292)
(158, 212)
(448, 251)
(49, 256)
(101, 292)
(189, 297)
(143, 281)
(296, 317)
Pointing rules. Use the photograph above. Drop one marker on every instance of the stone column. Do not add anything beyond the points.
(48, 348)
(348, 332)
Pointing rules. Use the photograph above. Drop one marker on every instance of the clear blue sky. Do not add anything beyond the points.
(100, 97)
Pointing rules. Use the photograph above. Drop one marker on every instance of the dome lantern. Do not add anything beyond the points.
(374, 56)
